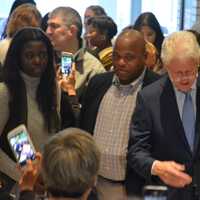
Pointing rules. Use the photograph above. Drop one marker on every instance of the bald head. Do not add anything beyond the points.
(129, 55)
(132, 37)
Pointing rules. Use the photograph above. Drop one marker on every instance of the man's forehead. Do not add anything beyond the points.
(180, 58)
(130, 39)
(55, 20)
(129, 45)
(123, 52)
(182, 64)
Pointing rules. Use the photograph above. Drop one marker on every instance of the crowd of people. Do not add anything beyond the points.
(133, 96)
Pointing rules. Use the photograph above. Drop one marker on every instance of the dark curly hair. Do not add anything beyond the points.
(104, 24)
(46, 96)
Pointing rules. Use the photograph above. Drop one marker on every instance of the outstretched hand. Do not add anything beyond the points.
(171, 173)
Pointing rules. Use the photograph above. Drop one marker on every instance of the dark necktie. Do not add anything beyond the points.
(188, 119)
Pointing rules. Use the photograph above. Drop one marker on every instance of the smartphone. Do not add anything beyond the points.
(153, 192)
(21, 144)
(66, 63)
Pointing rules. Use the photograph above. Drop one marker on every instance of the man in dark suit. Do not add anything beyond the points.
(164, 143)
(107, 110)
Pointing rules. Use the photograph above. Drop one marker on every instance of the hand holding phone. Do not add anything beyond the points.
(30, 173)
(67, 80)
(21, 144)
(66, 63)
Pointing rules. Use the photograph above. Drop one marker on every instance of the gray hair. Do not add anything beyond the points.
(69, 16)
(70, 161)
(180, 44)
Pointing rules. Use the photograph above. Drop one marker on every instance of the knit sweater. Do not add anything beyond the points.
(35, 121)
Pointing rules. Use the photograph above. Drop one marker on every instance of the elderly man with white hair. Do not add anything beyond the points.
(165, 129)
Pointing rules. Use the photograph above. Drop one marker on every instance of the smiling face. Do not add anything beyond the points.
(34, 58)
(95, 38)
(129, 56)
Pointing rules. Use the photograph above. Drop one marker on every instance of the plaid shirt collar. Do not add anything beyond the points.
(134, 84)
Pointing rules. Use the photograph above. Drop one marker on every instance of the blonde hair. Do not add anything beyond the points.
(180, 44)
(26, 15)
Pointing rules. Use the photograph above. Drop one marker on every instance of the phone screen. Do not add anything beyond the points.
(155, 193)
(66, 64)
(22, 147)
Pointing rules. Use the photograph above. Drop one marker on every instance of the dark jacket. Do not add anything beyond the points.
(157, 133)
(27, 195)
(96, 90)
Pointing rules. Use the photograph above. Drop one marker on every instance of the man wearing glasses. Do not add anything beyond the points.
(165, 126)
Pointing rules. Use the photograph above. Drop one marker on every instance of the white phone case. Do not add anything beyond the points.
(21, 144)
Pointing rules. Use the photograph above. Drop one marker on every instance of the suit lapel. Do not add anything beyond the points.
(149, 77)
(170, 116)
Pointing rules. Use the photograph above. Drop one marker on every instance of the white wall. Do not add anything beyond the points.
(80, 5)
(165, 11)
(115, 11)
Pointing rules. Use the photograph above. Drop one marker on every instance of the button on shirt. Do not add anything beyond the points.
(111, 131)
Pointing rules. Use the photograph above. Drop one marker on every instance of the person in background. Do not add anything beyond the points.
(29, 93)
(164, 134)
(69, 167)
(64, 30)
(15, 4)
(149, 26)
(100, 32)
(93, 11)
(151, 52)
(197, 35)
(44, 23)
(107, 110)
(152, 55)
(23, 16)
